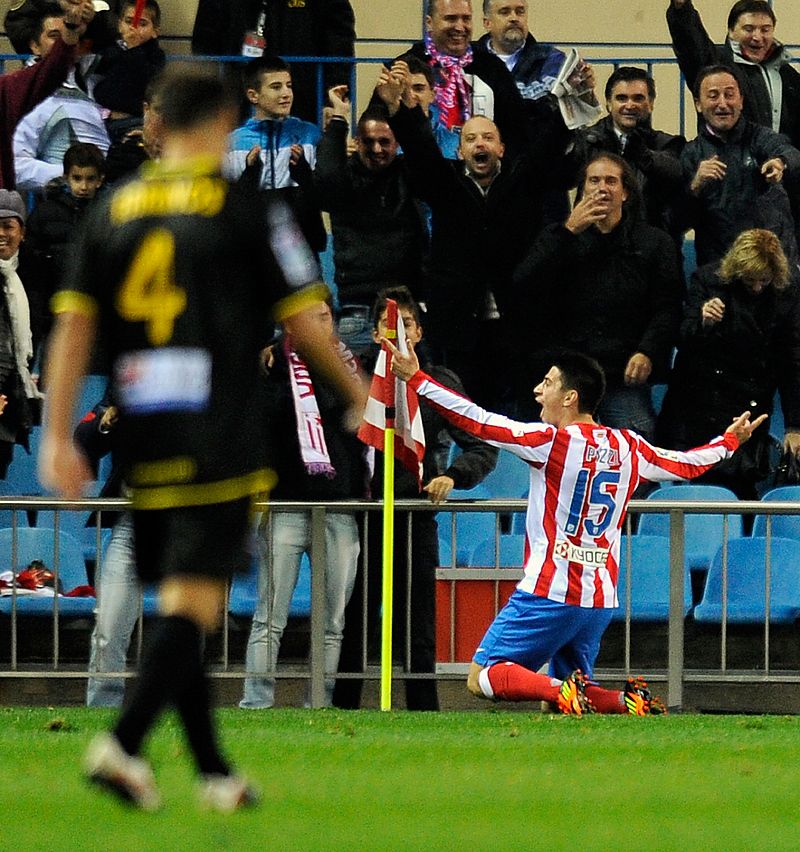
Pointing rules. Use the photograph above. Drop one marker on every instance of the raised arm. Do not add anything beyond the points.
(690, 41)
(529, 441)
(331, 175)
(658, 465)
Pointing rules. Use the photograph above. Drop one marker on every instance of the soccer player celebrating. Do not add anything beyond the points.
(182, 273)
(582, 477)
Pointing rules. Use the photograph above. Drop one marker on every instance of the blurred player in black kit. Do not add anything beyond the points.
(182, 275)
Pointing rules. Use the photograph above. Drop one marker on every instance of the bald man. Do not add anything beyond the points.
(486, 209)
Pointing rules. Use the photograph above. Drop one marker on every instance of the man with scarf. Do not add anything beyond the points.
(316, 459)
(468, 82)
(19, 395)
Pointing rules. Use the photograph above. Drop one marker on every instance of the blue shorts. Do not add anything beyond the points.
(530, 630)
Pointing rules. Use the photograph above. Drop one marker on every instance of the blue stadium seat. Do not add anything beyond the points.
(649, 573)
(777, 426)
(746, 583)
(512, 548)
(689, 259)
(518, 518)
(244, 592)
(7, 518)
(41, 543)
(704, 533)
(657, 394)
(510, 477)
(23, 478)
(785, 526)
(471, 527)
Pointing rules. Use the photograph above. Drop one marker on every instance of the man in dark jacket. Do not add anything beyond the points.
(770, 85)
(378, 229)
(533, 65)
(734, 170)
(312, 28)
(606, 284)
(468, 469)
(627, 130)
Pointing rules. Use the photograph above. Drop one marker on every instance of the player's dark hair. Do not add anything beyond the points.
(190, 94)
(417, 66)
(256, 68)
(152, 90)
(401, 295)
(374, 112)
(584, 375)
(746, 7)
(627, 74)
(84, 155)
(710, 70)
(152, 7)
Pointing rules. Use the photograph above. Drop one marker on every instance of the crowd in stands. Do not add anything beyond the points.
(454, 187)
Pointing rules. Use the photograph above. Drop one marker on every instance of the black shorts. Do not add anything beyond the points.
(209, 541)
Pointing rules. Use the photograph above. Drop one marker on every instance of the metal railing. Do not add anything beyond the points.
(675, 675)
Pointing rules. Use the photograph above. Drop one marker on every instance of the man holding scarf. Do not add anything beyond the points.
(316, 459)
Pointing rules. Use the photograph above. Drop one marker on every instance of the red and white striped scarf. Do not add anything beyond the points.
(310, 434)
(455, 91)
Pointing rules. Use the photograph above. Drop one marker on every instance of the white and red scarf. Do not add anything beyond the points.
(310, 434)
(453, 97)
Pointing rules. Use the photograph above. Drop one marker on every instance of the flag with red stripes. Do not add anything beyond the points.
(137, 12)
(392, 403)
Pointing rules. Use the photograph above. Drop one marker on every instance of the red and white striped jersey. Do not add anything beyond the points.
(581, 480)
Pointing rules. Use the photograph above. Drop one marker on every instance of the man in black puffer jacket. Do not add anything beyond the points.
(604, 283)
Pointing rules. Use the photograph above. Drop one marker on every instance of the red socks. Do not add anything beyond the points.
(606, 700)
(512, 682)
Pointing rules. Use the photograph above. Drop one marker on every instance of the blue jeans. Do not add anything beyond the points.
(629, 407)
(288, 539)
(118, 596)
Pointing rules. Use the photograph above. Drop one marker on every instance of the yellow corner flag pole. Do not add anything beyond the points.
(388, 570)
(388, 511)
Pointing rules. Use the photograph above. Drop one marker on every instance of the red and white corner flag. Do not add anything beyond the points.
(137, 12)
(392, 404)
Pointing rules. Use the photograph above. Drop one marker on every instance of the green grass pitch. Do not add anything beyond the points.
(395, 781)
